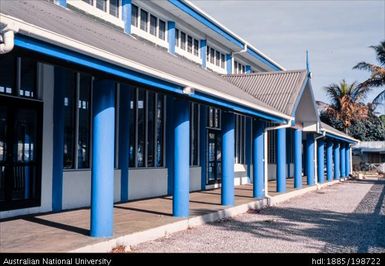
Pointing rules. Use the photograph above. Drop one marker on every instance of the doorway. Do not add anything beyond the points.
(214, 157)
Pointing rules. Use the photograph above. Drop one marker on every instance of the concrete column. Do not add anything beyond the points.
(320, 161)
(171, 36)
(181, 158)
(62, 3)
(297, 158)
(102, 181)
(124, 146)
(126, 15)
(343, 159)
(310, 159)
(228, 124)
(204, 53)
(336, 149)
(229, 64)
(281, 160)
(329, 161)
(258, 167)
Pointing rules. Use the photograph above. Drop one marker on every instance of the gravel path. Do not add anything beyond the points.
(347, 217)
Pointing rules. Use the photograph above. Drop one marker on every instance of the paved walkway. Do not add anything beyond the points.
(347, 217)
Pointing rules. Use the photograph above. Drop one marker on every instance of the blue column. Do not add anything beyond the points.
(171, 36)
(229, 63)
(204, 53)
(248, 69)
(248, 147)
(321, 160)
(329, 161)
(342, 160)
(347, 159)
(336, 148)
(62, 3)
(124, 136)
(281, 160)
(288, 150)
(203, 145)
(102, 181)
(181, 158)
(310, 159)
(126, 15)
(228, 124)
(61, 82)
(258, 165)
(297, 158)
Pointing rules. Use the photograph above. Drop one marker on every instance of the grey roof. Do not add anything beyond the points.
(278, 89)
(96, 33)
(336, 131)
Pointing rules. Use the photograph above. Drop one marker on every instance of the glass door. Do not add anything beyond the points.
(214, 157)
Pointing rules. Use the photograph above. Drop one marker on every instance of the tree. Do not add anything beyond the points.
(346, 103)
(377, 77)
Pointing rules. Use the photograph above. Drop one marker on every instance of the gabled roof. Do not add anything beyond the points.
(278, 89)
(94, 38)
(331, 130)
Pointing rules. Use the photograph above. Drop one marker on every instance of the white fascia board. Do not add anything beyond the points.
(340, 135)
(74, 45)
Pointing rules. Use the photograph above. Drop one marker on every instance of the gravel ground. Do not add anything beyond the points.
(347, 217)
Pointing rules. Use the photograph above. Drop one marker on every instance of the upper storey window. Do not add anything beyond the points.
(109, 6)
(215, 57)
(239, 68)
(186, 44)
(148, 25)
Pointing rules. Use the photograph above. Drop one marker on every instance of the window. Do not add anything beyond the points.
(134, 15)
(143, 20)
(183, 40)
(153, 25)
(162, 30)
(194, 134)
(196, 47)
(208, 54)
(272, 144)
(146, 127)
(91, 2)
(239, 68)
(7, 73)
(215, 57)
(177, 42)
(212, 55)
(240, 139)
(223, 60)
(114, 8)
(101, 4)
(214, 118)
(28, 80)
(189, 44)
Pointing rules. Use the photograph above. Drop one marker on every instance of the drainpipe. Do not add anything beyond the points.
(244, 50)
(8, 38)
(289, 124)
(315, 158)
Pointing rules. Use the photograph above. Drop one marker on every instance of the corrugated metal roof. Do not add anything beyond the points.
(93, 32)
(335, 131)
(278, 89)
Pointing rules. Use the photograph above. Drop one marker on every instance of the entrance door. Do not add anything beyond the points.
(214, 157)
(20, 153)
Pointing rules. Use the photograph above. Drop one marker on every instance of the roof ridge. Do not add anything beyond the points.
(265, 73)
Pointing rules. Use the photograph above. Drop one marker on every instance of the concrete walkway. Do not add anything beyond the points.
(347, 217)
(69, 230)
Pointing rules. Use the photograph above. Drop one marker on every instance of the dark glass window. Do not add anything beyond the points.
(183, 40)
(7, 73)
(240, 131)
(177, 38)
(243, 69)
(208, 54)
(91, 2)
(141, 128)
(272, 143)
(159, 130)
(153, 25)
(214, 118)
(150, 129)
(69, 121)
(114, 8)
(235, 67)
(196, 47)
(162, 30)
(189, 44)
(84, 116)
(134, 15)
(223, 59)
(101, 4)
(132, 126)
(212, 55)
(143, 20)
(217, 58)
(194, 134)
(28, 77)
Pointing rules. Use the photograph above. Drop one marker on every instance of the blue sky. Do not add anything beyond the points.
(336, 33)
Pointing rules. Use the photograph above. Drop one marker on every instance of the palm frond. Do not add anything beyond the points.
(379, 99)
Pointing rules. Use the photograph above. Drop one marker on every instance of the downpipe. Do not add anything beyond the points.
(7, 38)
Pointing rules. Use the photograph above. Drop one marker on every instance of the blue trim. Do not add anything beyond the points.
(229, 64)
(281, 160)
(329, 161)
(348, 160)
(339, 138)
(310, 158)
(343, 160)
(181, 157)
(203, 48)
(235, 107)
(227, 188)
(202, 19)
(61, 79)
(262, 59)
(258, 168)
(336, 151)
(102, 180)
(321, 161)
(297, 158)
(248, 69)
(62, 3)
(126, 15)
(203, 145)
(171, 36)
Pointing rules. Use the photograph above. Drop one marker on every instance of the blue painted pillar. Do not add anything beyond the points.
(336, 161)
(321, 161)
(281, 160)
(310, 159)
(348, 159)
(343, 161)
(126, 15)
(258, 165)
(204, 53)
(248, 69)
(171, 36)
(297, 158)
(229, 64)
(181, 158)
(329, 161)
(228, 125)
(61, 77)
(203, 145)
(248, 147)
(124, 147)
(102, 181)
(288, 150)
(62, 3)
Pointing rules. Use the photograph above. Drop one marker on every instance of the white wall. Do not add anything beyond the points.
(147, 183)
(272, 171)
(195, 178)
(240, 174)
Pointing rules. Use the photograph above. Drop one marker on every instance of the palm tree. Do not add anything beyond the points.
(377, 77)
(346, 102)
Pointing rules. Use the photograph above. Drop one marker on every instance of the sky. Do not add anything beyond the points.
(337, 34)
